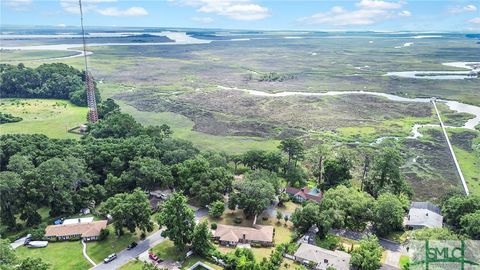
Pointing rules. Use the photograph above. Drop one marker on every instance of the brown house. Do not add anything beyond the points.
(87, 231)
(228, 235)
(304, 194)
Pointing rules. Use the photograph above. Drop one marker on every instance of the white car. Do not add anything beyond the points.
(110, 258)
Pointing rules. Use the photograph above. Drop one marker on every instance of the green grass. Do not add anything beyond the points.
(167, 251)
(132, 265)
(98, 250)
(403, 261)
(51, 117)
(470, 166)
(61, 255)
(21, 56)
(183, 127)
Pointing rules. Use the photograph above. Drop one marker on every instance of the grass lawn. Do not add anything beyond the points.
(52, 117)
(61, 255)
(288, 207)
(397, 236)
(132, 265)
(98, 250)
(404, 260)
(167, 251)
(470, 165)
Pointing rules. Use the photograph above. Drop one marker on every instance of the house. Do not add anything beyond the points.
(228, 235)
(321, 258)
(304, 194)
(424, 214)
(85, 230)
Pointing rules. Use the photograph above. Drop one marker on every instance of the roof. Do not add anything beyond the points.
(236, 233)
(83, 229)
(424, 218)
(77, 220)
(426, 205)
(306, 193)
(323, 257)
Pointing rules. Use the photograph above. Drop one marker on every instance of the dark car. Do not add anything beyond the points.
(110, 258)
(132, 245)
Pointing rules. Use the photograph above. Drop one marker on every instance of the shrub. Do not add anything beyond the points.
(216, 209)
(237, 220)
(104, 233)
(213, 226)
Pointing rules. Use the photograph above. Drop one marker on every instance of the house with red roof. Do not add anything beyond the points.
(304, 194)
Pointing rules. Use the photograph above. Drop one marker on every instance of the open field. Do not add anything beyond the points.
(51, 117)
(16, 56)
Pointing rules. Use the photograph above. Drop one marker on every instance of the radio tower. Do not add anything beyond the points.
(92, 103)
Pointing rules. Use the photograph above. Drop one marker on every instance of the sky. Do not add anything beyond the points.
(371, 15)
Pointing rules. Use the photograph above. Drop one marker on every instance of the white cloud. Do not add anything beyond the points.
(243, 10)
(368, 12)
(62, 25)
(463, 9)
(204, 20)
(404, 13)
(377, 4)
(475, 20)
(129, 12)
(19, 5)
(71, 6)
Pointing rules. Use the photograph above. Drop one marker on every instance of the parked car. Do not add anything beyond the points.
(153, 257)
(110, 258)
(306, 239)
(132, 245)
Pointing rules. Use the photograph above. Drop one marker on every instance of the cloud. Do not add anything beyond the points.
(204, 20)
(368, 12)
(19, 5)
(462, 9)
(71, 6)
(129, 12)
(404, 13)
(475, 20)
(377, 4)
(243, 10)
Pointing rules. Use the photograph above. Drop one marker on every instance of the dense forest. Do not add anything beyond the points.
(54, 80)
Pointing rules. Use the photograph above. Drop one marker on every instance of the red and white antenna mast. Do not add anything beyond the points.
(92, 103)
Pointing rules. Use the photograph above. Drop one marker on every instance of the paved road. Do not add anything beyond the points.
(126, 255)
(154, 239)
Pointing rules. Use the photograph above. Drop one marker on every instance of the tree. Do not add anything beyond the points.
(33, 264)
(30, 215)
(106, 107)
(216, 209)
(10, 184)
(304, 218)
(457, 206)
(433, 234)
(253, 196)
(7, 254)
(337, 172)
(115, 125)
(367, 255)
(283, 198)
(316, 156)
(470, 224)
(293, 148)
(202, 239)
(179, 220)
(198, 178)
(279, 216)
(150, 173)
(388, 214)
(386, 175)
(128, 210)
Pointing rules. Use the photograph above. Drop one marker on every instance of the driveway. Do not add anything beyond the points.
(18, 242)
(143, 246)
